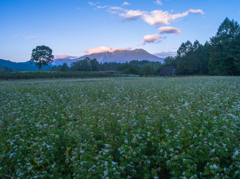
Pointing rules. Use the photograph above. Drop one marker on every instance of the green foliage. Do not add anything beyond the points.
(224, 53)
(42, 55)
(144, 128)
(64, 67)
(170, 61)
(130, 70)
(54, 74)
(146, 70)
(219, 57)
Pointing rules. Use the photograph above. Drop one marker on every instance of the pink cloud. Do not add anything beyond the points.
(156, 38)
(61, 56)
(169, 30)
(147, 39)
(156, 17)
(104, 49)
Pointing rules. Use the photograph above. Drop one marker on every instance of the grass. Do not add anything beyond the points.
(51, 74)
(121, 128)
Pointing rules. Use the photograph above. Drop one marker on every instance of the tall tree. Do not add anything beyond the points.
(41, 55)
(185, 58)
(235, 51)
(94, 65)
(222, 61)
(64, 67)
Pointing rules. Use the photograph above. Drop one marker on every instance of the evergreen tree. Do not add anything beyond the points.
(64, 67)
(223, 61)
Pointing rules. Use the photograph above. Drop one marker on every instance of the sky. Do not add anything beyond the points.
(79, 27)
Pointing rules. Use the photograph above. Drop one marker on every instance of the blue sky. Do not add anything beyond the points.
(78, 27)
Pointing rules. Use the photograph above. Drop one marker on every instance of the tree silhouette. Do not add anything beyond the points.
(41, 55)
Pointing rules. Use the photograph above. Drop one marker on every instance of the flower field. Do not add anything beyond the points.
(121, 128)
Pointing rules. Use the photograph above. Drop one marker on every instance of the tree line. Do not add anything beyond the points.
(218, 56)
(136, 67)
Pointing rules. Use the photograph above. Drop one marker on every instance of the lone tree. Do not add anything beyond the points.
(42, 55)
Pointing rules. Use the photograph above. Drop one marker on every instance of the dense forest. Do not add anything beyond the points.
(219, 56)
(136, 67)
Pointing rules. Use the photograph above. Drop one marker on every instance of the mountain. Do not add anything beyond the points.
(119, 56)
(21, 65)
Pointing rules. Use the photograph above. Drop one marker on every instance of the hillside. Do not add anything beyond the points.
(21, 65)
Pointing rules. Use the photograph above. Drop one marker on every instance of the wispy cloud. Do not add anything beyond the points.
(129, 15)
(158, 2)
(92, 3)
(104, 49)
(116, 8)
(164, 54)
(101, 7)
(78, 8)
(112, 12)
(125, 4)
(16, 36)
(156, 17)
(156, 38)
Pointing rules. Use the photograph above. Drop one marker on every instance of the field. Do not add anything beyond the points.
(120, 128)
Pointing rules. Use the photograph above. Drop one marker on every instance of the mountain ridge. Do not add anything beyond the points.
(119, 56)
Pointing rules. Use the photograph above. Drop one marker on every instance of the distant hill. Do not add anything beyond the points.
(120, 56)
(21, 65)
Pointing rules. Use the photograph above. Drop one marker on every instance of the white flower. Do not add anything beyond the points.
(214, 166)
(106, 173)
(236, 153)
(114, 163)
(167, 130)
(186, 104)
